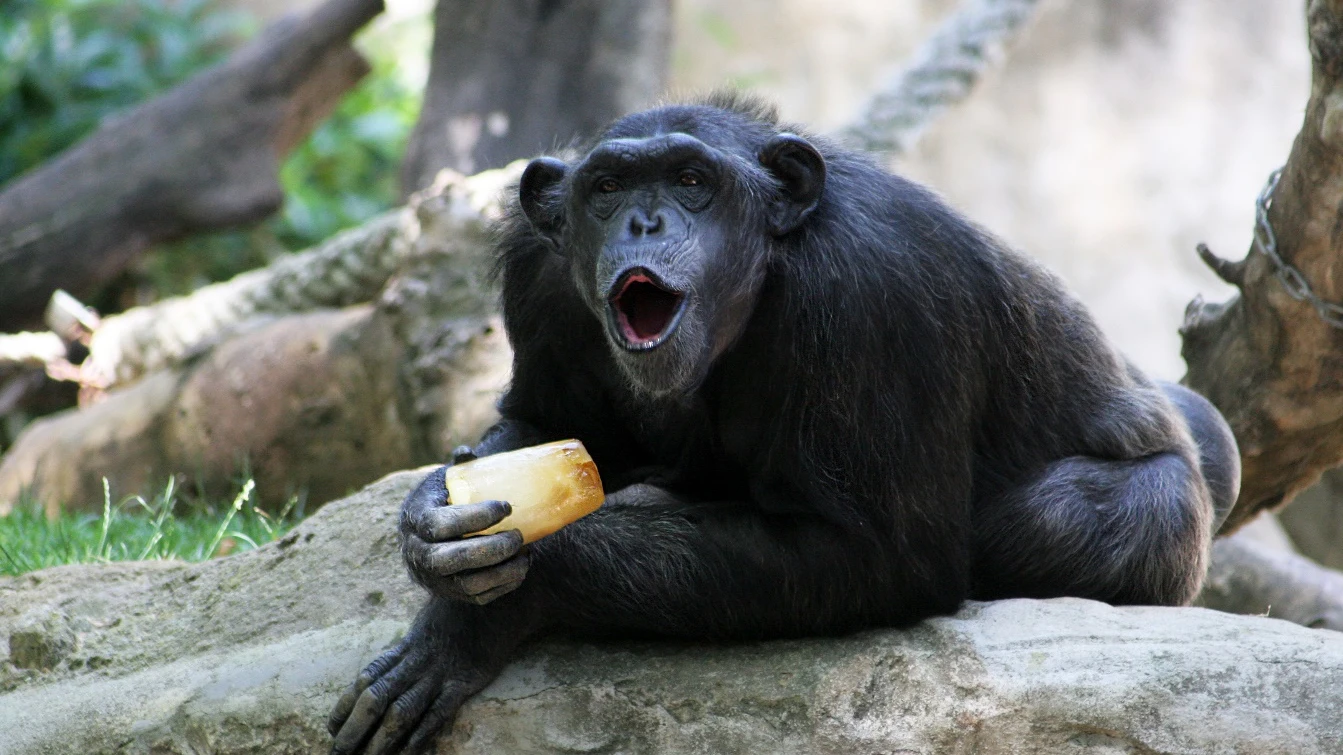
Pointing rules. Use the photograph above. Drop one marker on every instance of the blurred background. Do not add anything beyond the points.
(1114, 137)
(1107, 141)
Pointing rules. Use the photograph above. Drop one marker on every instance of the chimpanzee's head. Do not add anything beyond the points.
(668, 224)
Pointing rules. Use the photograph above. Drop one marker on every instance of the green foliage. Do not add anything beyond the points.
(136, 529)
(67, 64)
(344, 174)
(347, 171)
(719, 29)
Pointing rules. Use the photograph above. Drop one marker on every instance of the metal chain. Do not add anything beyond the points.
(1266, 241)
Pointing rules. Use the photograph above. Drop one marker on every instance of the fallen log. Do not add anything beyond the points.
(445, 226)
(1253, 578)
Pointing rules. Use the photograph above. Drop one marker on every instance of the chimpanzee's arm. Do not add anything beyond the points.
(646, 562)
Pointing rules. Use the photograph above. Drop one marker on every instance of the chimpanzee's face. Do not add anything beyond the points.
(667, 240)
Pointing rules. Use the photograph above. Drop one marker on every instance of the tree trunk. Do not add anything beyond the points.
(202, 156)
(512, 78)
(1269, 361)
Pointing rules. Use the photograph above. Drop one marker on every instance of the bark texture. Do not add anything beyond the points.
(510, 79)
(202, 156)
(325, 418)
(1268, 361)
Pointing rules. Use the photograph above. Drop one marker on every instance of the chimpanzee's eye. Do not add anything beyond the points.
(688, 178)
(608, 185)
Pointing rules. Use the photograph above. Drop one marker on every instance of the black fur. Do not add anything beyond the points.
(870, 411)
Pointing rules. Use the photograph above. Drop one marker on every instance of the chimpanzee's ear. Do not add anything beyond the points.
(541, 175)
(801, 169)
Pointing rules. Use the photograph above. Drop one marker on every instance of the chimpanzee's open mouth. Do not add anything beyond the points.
(644, 310)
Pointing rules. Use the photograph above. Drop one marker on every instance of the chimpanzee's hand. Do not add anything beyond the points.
(400, 702)
(475, 569)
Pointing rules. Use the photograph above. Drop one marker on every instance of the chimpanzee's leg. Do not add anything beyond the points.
(1218, 455)
(1122, 531)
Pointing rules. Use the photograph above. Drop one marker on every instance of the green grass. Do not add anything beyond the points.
(136, 529)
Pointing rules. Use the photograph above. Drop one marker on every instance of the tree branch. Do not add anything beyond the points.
(1268, 361)
(1252, 578)
(202, 156)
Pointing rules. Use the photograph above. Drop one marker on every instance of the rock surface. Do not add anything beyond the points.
(246, 654)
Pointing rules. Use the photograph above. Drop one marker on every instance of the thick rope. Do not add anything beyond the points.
(350, 268)
(941, 74)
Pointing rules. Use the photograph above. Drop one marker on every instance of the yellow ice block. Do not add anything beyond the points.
(548, 486)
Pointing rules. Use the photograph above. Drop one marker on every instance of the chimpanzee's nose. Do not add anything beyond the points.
(643, 223)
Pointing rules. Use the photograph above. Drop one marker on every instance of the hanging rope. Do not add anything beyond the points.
(941, 74)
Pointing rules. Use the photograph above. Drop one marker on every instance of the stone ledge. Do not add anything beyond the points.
(246, 655)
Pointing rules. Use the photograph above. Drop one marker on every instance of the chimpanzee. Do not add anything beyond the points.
(820, 400)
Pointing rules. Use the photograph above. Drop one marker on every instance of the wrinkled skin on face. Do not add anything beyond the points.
(666, 242)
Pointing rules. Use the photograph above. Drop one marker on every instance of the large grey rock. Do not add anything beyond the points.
(246, 654)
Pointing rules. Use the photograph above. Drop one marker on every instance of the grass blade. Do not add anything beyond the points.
(238, 502)
(107, 519)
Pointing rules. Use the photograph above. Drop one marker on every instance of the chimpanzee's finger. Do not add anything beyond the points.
(463, 454)
(371, 673)
(430, 494)
(446, 559)
(439, 717)
(490, 595)
(451, 522)
(372, 703)
(402, 717)
(478, 583)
